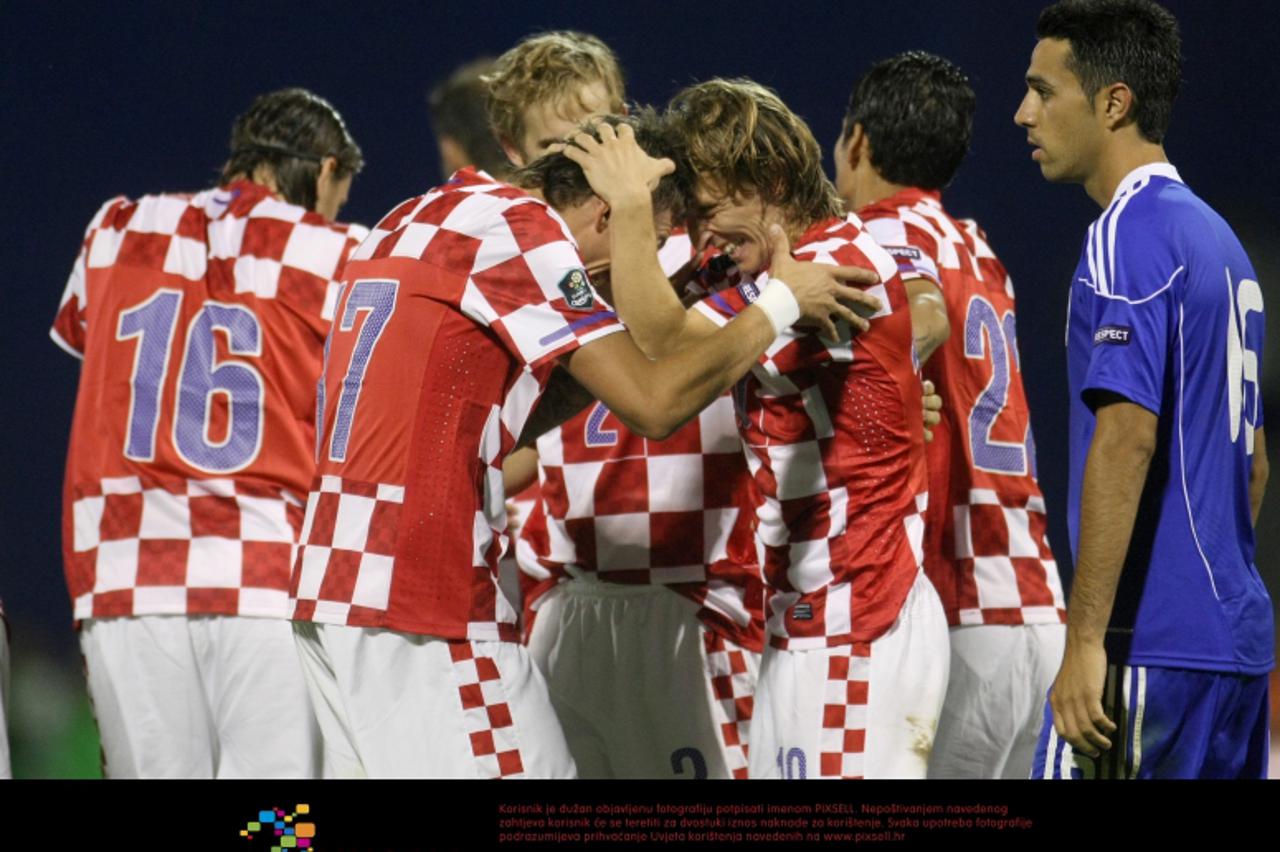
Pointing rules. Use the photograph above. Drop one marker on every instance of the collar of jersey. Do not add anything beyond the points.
(1150, 170)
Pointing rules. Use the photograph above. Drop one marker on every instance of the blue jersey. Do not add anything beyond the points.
(1166, 311)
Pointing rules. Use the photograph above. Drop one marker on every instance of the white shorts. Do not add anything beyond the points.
(991, 718)
(399, 705)
(855, 711)
(642, 688)
(199, 697)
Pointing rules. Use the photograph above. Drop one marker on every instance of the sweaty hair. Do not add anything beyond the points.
(458, 111)
(548, 68)
(1134, 42)
(291, 131)
(562, 183)
(739, 138)
(917, 112)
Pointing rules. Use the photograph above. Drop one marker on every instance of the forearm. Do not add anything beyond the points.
(929, 323)
(654, 398)
(643, 297)
(519, 470)
(1115, 473)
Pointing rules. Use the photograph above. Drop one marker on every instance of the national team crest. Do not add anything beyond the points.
(577, 289)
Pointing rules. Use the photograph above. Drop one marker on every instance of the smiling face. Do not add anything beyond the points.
(737, 225)
(1060, 119)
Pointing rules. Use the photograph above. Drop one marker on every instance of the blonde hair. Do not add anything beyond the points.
(740, 138)
(548, 68)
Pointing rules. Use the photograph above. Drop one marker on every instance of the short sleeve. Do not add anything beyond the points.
(70, 325)
(530, 288)
(1133, 322)
(911, 248)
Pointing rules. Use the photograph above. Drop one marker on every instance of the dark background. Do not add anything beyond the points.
(135, 98)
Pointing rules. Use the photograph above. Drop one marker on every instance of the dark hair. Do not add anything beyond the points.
(917, 112)
(562, 183)
(458, 111)
(740, 138)
(291, 131)
(1134, 42)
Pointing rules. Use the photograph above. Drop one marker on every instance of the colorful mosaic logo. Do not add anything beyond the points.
(282, 830)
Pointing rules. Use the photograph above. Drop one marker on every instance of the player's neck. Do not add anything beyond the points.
(871, 188)
(1123, 157)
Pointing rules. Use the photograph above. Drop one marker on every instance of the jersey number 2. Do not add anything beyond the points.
(201, 377)
(994, 338)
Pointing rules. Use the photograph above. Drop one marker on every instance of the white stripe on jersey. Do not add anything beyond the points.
(1138, 713)
(1182, 453)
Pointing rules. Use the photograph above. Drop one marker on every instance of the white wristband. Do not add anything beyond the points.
(779, 304)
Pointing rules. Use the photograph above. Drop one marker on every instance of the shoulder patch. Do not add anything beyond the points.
(750, 292)
(1116, 334)
(577, 289)
(909, 252)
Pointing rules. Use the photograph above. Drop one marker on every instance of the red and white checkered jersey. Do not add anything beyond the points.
(452, 313)
(986, 548)
(835, 442)
(624, 509)
(201, 320)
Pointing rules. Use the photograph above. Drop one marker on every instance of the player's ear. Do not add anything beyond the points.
(1117, 103)
(513, 154)
(856, 145)
(599, 214)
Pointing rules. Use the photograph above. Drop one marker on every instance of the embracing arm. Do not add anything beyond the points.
(654, 398)
(1115, 472)
(929, 323)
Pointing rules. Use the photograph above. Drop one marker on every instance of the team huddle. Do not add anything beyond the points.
(778, 509)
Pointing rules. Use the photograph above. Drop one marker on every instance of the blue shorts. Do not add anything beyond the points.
(1171, 723)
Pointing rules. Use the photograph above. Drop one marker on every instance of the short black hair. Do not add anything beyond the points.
(291, 131)
(1135, 42)
(459, 111)
(917, 111)
(562, 183)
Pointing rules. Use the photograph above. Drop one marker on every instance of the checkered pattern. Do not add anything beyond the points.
(221, 547)
(347, 551)
(630, 510)
(157, 536)
(987, 553)
(734, 688)
(486, 713)
(835, 445)
(843, 741)
(484, 276)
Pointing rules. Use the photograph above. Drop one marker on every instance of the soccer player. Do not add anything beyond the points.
(1169, 627)
(855, 670)
(544, 87)
(651, 646)
(460, 118)
(454, 312)
(905, 133)
(201, 321)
